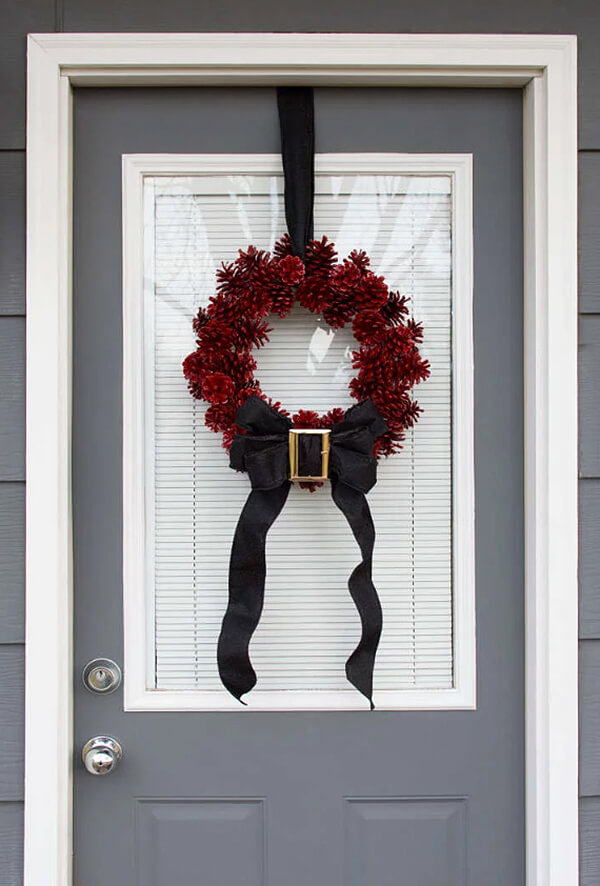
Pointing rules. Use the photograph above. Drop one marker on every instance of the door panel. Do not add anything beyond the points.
(411, 798)
(426, 837)
(190, 841)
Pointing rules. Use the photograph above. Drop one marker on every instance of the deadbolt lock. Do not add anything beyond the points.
(101, 676)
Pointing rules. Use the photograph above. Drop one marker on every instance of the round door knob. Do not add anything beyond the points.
(101, 755)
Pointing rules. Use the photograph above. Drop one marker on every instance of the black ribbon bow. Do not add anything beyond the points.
(263, 452)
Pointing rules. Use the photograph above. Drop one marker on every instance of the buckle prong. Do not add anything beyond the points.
(293, 447)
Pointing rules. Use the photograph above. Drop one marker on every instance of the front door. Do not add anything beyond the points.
(248, 797)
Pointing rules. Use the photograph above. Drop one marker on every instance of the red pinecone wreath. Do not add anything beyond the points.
(387, 360)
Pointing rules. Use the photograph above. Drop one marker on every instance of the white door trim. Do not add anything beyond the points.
(546, 67)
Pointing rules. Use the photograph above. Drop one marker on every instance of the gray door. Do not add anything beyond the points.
(326, 798)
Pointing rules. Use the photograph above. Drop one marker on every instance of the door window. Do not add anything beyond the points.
(183, 217)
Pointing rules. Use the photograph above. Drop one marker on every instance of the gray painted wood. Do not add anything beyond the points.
(12, 398)
(12, 566)
(545, 16)
(429, 834)
(589, 232)
(227, 839)
(589, 393)
(12, 232)
(18, 19)
(11, 844)
(589, 717)
(12, 659)
(304, 764)
(589, 559)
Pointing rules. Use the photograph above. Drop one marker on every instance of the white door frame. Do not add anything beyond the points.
(546, 67)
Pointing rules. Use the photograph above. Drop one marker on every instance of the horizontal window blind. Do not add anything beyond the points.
(309, 625)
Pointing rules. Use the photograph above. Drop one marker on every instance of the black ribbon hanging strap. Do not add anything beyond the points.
(263, 452)
(297, 124)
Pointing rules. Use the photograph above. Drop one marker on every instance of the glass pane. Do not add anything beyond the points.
(309, 625)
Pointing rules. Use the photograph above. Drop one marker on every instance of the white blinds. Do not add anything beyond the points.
(309, 625)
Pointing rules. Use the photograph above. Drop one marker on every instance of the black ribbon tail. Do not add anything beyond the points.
(247, 572)
(262, 451)
(297, 124)
(355, 508)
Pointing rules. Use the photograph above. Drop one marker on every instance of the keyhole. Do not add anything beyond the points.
(101, 675)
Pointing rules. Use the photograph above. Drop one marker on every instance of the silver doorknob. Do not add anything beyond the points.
(101, 755)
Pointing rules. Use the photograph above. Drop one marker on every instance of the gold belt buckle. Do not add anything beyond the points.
(293, 446)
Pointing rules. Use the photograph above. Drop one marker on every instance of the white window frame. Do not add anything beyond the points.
(137, 474)
(546, 67)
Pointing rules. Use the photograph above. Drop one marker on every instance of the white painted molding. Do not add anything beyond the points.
(137, 576)
(546, 66)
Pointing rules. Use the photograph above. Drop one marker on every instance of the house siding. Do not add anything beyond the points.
(507, 16)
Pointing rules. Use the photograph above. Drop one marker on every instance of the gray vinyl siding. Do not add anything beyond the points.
(589, 495)
(542, 16)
